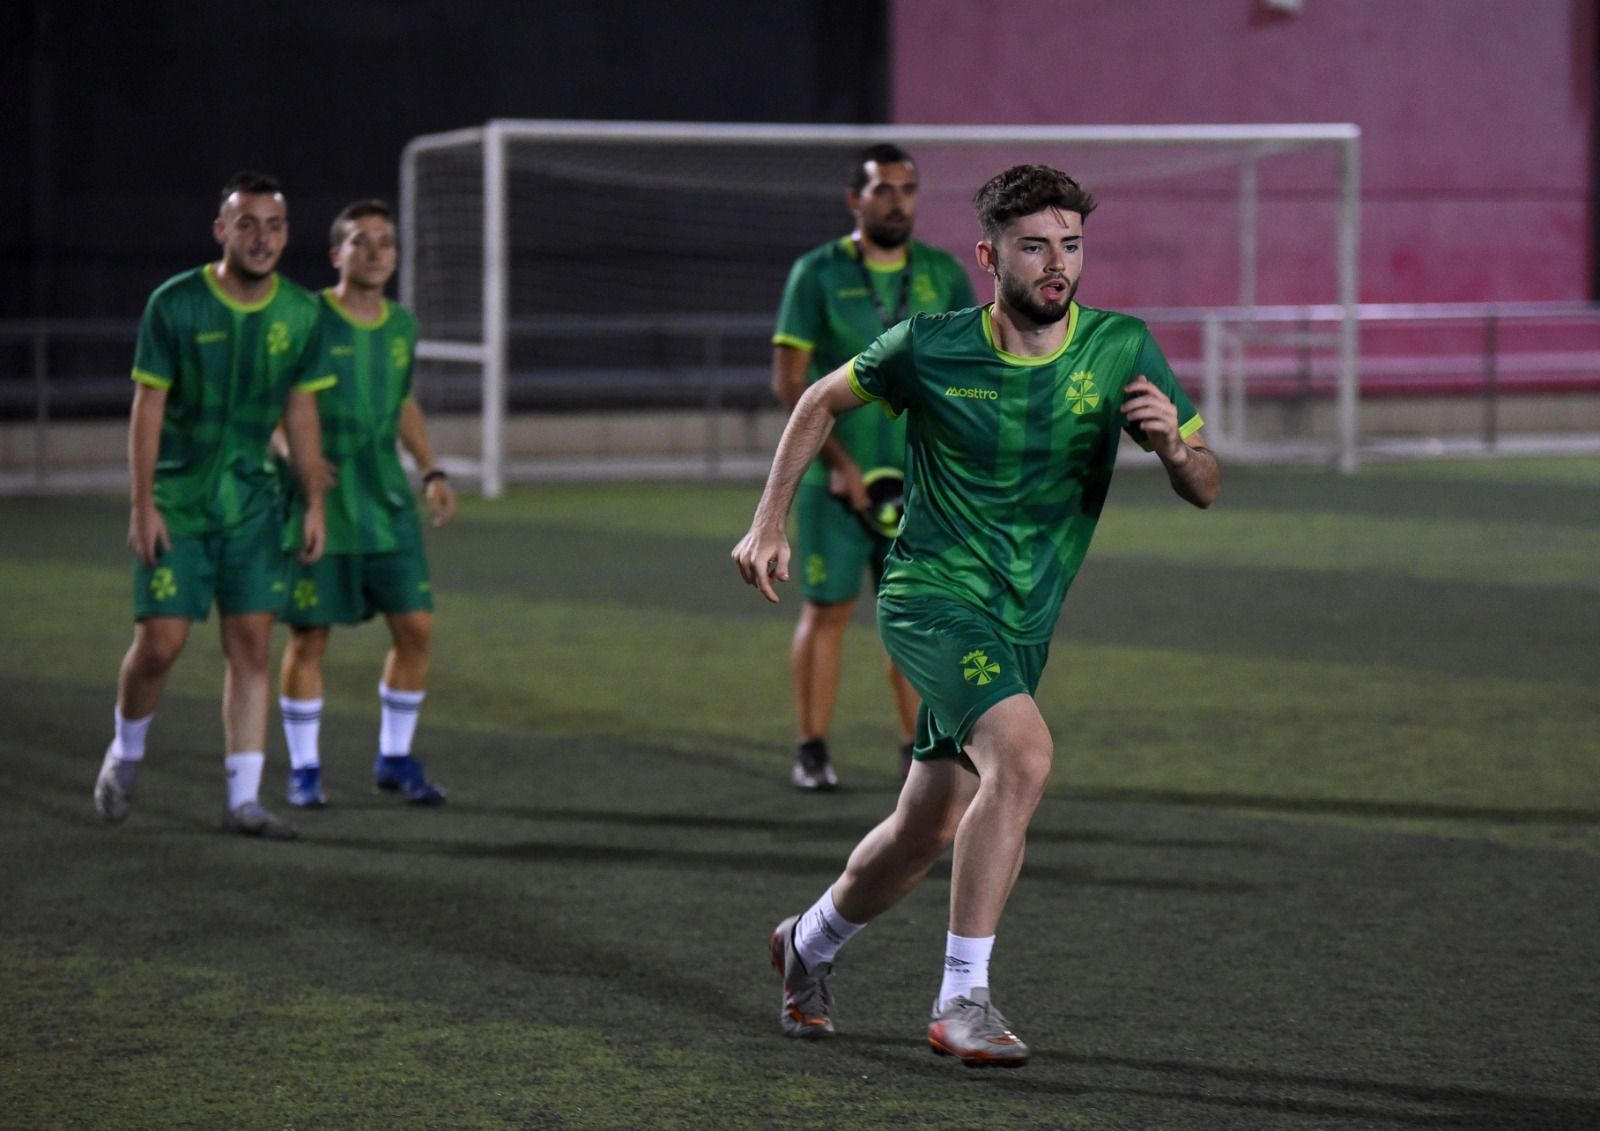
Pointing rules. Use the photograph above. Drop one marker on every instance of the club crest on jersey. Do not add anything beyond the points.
(399, 353)
(1082, 396)
(278, 338)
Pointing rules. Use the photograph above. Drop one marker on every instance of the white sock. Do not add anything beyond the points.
(244, 778)
(130, 737)
(302, 720)
(400, 709)
(821, 931)
(966, 966)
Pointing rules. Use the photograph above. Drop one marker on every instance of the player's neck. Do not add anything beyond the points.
(363, 303)
(1016, 334)
(238, 287)
(872, 253)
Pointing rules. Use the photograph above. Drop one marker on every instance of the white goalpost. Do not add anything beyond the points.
(564, 270)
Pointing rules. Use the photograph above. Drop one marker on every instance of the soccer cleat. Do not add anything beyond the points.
(404, 776)
(971, 1028)
(113, 789)
(305, 788)
(254, 819)
(807, 1002)
(813, 769)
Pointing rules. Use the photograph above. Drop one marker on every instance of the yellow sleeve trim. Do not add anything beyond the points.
(1189, 429)
(791, 340)
(855, 386)
(317, 384)
(154, 380)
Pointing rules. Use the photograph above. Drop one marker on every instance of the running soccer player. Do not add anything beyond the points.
(1015, 410)
(374, 561)
(839, 297)
(224, 351)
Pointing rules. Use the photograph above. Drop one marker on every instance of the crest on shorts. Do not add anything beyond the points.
(305, 594)
(162, 585)
(976, 667)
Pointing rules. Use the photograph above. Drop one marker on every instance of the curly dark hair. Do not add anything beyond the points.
(1023, 190)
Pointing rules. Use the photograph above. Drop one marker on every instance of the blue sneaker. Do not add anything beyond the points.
(305, 788)
(404, 776)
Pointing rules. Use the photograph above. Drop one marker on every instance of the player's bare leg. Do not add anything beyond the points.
(300, 701)
(405, 680)
(890, 861)
(815, 658)
(1012, 750)
(246, 650)
(905, 712)
(157, 644)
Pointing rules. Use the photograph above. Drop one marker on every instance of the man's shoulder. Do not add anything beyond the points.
(1091, 318)
(946, 324)
(292, 296)
(181, 286)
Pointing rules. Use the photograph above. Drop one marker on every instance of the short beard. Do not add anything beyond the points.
(240, 268)
(1019, 297)
(886, 237)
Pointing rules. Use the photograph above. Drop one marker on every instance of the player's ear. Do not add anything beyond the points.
(985, 253)
(218, 229)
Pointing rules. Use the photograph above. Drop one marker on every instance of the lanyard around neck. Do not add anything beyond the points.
(900, 306)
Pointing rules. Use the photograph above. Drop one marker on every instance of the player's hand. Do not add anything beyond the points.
(762, 556)
(441, 500)
(845, 482)
(313, 534)
(147, 534)
(330, 475)
(1156, 416)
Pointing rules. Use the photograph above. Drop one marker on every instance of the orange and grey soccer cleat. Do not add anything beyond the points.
(972, 1029)
(807, 1003)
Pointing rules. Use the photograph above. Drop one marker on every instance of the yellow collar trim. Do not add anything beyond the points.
(339, 309)
(227, 300)
(1017, 358)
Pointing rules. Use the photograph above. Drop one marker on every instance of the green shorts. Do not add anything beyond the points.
(833, 549)
(958, 662)
(351, 588)
(244, 571)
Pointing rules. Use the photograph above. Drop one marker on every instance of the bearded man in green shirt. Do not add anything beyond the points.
(224, 351)
(1015, 411)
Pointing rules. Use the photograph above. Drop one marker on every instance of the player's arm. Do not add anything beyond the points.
(303, 430)
(147, 530)
(1191, 467)
(763, 553)
(435, 486)
(789, 366)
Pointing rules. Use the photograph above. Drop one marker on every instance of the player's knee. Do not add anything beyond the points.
(413, 635)
(1022, 772)
(156, 650)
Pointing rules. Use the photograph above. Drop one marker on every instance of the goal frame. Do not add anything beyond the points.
(491, 350)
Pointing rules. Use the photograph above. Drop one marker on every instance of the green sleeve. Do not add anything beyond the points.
(313, 370)
(800, 314)
(155, 357)
(884, 371)
(1151, 363)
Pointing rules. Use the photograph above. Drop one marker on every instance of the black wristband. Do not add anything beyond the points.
(430, 476)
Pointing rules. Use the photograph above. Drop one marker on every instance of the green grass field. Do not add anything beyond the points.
(1322, 848)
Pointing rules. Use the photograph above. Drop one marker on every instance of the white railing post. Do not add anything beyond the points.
(496, 287)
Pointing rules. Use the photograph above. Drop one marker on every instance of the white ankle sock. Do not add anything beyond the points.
(399, 724)
(302, 720)
(821, 931)
(244, 778)
(966, 966)
(130, 737)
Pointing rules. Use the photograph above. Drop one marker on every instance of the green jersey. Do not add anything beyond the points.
(1009, 458)
(830, 309)
(361, 425)
(227, 367)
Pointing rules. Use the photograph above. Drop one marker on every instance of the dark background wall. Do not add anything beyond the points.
(121, 120)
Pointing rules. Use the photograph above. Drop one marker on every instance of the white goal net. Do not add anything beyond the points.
(593, 289)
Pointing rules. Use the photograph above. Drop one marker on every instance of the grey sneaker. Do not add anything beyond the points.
(971, 1028)
(807, 1003)
(113, 789)
(253, 819)
(813, 769)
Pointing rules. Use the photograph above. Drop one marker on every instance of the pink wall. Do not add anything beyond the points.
(1477, 120)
